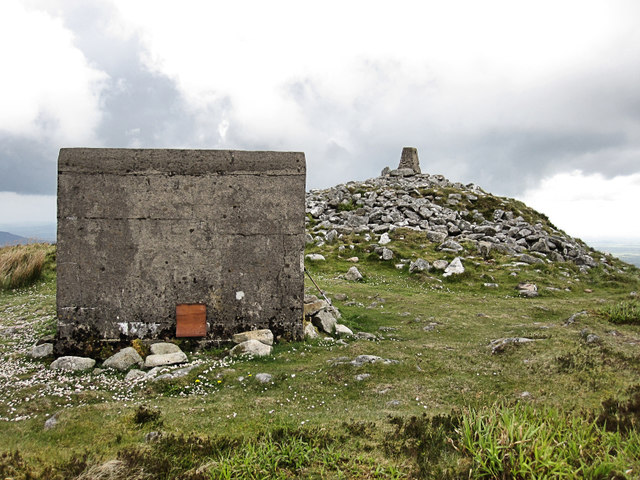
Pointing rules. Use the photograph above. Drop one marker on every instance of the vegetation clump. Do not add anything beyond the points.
(22, 265)
(627, 312)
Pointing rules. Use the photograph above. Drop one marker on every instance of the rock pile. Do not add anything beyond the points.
(321, 315)
(450, 214)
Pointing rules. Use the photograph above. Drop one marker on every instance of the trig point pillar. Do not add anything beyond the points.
(409, 159)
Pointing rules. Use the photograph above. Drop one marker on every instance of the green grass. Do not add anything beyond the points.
(449, 407)
(627, 312)
(521, 441)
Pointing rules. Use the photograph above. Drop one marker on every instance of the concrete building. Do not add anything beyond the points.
(178, 243)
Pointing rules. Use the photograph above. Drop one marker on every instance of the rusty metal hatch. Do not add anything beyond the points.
(191, 320)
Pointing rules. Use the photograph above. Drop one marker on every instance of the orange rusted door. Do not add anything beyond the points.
(191, 320)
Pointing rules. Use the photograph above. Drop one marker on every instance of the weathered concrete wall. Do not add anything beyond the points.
(140, 231)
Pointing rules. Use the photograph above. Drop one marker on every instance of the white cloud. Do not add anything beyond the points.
(425, 74)
(47, 88)
(589, 206)
(23, 209)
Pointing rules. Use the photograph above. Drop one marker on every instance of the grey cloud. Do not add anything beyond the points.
(586, 120)
(139, 107)
(26, 166)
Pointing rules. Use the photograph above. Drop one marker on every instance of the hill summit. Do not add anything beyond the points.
(457, 217)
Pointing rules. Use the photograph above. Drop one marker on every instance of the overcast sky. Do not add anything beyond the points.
(538, 100)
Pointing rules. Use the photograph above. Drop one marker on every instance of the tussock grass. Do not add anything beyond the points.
(627, 312)
(521, 441)
(23, 264)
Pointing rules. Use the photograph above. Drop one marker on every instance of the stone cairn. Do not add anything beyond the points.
(400, 198)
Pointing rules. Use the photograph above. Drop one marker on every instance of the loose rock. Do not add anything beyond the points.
(454, 268)
(251, 347)
(162, 348)
(324, 321)
(265, 336)
(41, 351)
(343, 330)
(264, 377)
(353, 274)
(165, 359)
(73, 364)
(124, 359)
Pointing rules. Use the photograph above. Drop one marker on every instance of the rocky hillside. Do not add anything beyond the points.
(459, 218)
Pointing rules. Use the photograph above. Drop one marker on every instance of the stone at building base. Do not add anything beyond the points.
(73, 364)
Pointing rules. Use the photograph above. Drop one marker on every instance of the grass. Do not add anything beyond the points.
(446, 407)
(627, 312)
(22, 265)
(521, 441)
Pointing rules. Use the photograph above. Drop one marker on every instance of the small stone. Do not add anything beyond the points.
(331, 236)
(353, 274)
(527, 290)
(134, 375)
(180, 373)
(315, 257)
(310, 331)
(264, 335)
(490, 285)
(343, 330)
(387, 254)
(451, 245)
(73, 364)
(362, 376)
(420, 265)
(530, 259)
(51, 422)
(124, 359)
(365, 336)
(162, 348)
(592, 338)
(264, 377)
(158, 360)
(384, 239)
(41, 351)
(440, 264)
(362, 359)
(341, 297)
(353, 259)
(251, 347)
(454, 268)
(436, 236)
